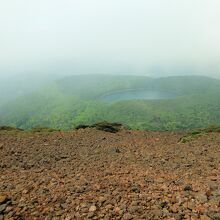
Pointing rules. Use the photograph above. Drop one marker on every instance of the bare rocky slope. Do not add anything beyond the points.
(92, 174)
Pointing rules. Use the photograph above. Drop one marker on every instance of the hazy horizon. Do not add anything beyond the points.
(155, 38)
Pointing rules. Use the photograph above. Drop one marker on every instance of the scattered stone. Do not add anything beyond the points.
(163, 204)
(148, 179)
(80, 189)
(37, 214)
(160, 180)
(92, 208)
(216, 192)
(204, 217)
(177, 216)
(117, 150)
(3, 199)
(201, 197)
(212, 185)
(127, 216)
(191, 205)
(91, 215)
(214, 215)
(114, 150)
(156, 213)
(135, 189)
(102, 199)
(174, 208)
(109, 206)
(117, 210)
(133, 209)
(2, 208)
(215, 201)
(187, 187)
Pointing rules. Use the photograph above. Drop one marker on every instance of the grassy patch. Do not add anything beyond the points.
(9, 128)
(196, 133)
(103, 126)
(210, 129)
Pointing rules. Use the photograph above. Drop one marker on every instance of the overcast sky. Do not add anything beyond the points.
(110, 36)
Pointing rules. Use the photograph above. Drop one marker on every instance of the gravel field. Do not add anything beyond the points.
(91, 174)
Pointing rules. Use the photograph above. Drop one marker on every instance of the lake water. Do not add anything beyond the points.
(138, 94)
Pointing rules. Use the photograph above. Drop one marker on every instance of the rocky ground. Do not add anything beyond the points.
(91, 174)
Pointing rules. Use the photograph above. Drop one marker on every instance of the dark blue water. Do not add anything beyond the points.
(138, 94)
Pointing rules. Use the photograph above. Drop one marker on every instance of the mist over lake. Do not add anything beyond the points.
(138, 94)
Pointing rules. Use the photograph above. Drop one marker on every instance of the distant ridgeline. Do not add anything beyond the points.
(180, 102)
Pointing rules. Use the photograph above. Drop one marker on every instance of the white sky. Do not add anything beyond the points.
(110, 36)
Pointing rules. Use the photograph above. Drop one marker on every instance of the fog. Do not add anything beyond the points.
(151, 37)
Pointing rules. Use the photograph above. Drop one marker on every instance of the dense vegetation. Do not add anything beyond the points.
(77, 100)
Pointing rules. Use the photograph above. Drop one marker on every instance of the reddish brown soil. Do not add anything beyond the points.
(90, 174)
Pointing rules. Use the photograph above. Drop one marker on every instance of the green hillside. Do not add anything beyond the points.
(77, 100)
